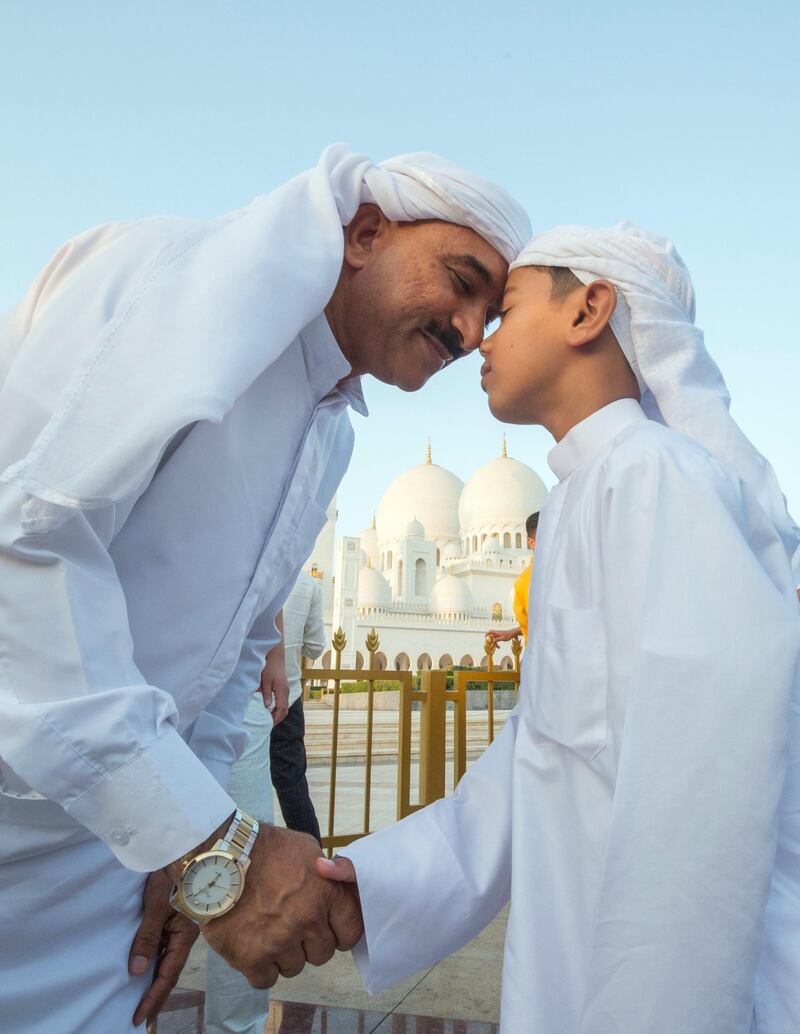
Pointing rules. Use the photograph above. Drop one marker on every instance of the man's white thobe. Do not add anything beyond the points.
(629, 807)
(133, 636)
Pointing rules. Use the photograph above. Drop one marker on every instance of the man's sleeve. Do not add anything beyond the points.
(432, 882)
(78, 722)
(314, 632)
(703, 648)
(218, 736)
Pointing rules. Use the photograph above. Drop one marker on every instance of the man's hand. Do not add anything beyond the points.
(165, 936)
(274, 683)
(505, 637)
(288, 914)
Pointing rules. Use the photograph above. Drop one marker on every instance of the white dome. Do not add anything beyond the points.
(427, 493)
(373, 589)
(503, 492)
(415, 530)
(451, 552)
(450, 595)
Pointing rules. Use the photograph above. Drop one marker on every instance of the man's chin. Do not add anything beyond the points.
(408, 379)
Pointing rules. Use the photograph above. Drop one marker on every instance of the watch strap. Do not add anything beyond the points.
(240, 837)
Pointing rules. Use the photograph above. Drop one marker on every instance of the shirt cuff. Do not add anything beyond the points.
(155, 808)
(220, 769)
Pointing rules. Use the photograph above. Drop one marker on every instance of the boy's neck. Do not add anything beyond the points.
(563, 416)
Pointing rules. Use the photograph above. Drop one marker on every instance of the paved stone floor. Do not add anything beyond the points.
(460, 995)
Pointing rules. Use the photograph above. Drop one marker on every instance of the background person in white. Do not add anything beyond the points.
(232, 1005)
(631, 805)
(303, 636)
(148, 541)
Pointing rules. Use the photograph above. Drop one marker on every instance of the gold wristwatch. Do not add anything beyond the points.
(211, 882)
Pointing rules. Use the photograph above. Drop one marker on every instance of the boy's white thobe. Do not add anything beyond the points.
(629, 806)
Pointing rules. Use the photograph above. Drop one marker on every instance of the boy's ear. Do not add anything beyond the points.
(362, 233)
(591, 311)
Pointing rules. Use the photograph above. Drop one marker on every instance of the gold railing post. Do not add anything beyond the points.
(338, 643)
(490, 646)
(373, 642)
(432, 737)
(404, 750)
(460, 728)
(516, 650)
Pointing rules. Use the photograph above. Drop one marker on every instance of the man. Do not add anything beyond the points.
(304, 636)
(148, 541)
(632, 806)
(522, 590)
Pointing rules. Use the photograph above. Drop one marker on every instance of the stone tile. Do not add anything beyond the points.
(337, 984)
(182, 1014)
(302, 1018)
(468, 988)
(399, 1023)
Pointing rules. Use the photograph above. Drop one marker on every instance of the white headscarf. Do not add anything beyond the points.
(212, 309)
(680, 383)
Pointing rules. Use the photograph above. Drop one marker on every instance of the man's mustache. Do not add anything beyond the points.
(447, 336)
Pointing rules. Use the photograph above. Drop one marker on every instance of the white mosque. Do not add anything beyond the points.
(435, 571)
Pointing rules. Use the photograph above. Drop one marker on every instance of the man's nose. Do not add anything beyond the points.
(470, 327)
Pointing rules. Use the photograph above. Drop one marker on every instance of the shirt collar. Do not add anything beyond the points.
(591, 434)
(328, 366)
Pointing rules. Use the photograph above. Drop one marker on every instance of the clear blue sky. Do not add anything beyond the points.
(680, 116)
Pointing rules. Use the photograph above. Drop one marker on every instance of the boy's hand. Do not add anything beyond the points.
(504, 637)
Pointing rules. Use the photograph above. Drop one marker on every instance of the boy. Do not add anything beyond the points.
(522, 589)
(630, 806)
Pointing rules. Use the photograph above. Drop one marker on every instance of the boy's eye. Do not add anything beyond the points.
(493, 321)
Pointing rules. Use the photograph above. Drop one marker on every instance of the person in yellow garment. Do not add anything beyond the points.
(522, 590)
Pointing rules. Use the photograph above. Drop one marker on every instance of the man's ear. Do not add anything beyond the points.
(591, 311)
(368, 226)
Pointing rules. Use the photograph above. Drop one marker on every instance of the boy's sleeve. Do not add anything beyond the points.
(432, 882)
(703, 651)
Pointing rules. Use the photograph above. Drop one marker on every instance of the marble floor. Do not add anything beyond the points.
(185, 1016)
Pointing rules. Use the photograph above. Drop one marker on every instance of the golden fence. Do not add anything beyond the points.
(433, 697)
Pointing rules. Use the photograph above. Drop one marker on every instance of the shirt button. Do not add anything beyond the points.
(120, 837)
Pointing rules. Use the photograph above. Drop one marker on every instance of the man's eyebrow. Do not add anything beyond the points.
(476, 266)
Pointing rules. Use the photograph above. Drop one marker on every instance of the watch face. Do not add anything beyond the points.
(212, 884)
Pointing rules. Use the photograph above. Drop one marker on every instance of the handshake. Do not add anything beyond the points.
(297, 907)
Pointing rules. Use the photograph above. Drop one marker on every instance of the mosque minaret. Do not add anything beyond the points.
(436, 568)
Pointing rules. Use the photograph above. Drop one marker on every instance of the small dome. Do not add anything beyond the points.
(373, 589)
(451, 552)
(415, 530)
(451, 595)
(502, 493)
(491, 546)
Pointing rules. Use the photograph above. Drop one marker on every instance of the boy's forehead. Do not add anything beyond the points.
(528, 281)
